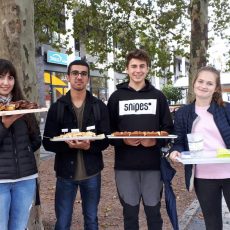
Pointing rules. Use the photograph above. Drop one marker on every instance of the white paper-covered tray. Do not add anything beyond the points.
(188, 159)
(142, 137)
(22, 111)
(98, 137)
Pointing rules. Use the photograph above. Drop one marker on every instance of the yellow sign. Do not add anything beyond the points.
(56, 82)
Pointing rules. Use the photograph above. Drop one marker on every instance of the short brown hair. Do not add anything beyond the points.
(138, 54)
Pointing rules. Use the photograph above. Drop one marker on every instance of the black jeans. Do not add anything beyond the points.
(209, 193)
(153, 215)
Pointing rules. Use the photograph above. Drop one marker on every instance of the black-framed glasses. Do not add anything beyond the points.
(76, 73)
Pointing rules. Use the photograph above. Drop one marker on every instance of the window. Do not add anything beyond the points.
(99, 87)
(179, 65)
(61, 22)
(77, 44)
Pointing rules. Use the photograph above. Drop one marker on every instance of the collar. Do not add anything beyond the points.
(6, 100)
(66, 99)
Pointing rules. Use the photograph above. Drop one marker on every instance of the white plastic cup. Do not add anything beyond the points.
(195, 144)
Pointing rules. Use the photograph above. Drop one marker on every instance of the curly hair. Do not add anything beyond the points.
(138, 54)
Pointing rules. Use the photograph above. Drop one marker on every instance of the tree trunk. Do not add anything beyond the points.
(199, 39)
(18, 45)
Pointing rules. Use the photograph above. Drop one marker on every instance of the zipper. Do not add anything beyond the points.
(15, 152)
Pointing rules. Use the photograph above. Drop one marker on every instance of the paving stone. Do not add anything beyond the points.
(192, 218)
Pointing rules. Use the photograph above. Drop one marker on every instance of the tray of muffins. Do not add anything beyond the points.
(142, 134)
(20, 107)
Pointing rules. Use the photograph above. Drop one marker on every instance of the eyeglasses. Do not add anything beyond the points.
(76, 73)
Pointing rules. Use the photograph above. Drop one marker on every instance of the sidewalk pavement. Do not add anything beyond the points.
(192, 218)
(45, 154)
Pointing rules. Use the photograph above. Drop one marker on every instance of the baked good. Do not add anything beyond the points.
(21, 104)
(77, 134)
(10, 107)
(136, 133)
(16, 103)
(164, 133)
(2, 106)
(88, 134)
(118, 134)
(24, 104)
(141, 133)
(151, 133)
(31, 105)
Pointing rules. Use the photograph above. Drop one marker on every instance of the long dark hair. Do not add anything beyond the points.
(7, 67)
(217, 95)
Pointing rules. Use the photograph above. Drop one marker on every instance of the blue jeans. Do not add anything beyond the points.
(66, 191)
(15, 203)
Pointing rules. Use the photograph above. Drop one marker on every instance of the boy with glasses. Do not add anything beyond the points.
(77, 163)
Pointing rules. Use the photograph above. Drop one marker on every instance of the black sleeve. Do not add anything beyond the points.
(103, 126)
(113, 108)
(166, 123)
(227, 112)
(35, 137)
(52, 129)
(179, 130)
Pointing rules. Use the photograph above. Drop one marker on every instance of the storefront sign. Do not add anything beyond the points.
(57, 58)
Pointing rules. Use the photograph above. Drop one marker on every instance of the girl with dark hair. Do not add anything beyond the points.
(209, 116)
(19, 139)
